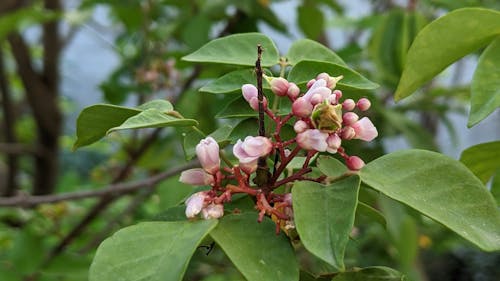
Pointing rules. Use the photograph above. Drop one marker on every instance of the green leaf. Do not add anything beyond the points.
(444, 41)
(231, 82)
(149, 251)
(255, 249)
(152, 118)
(372, 273)
(304, 71)
(238, 49)
(440, 188)
(310, 20)
(482, 159)
(330, 166)
(238, 108)
(324, 216)
(306, 49)
(20, 19)
(485, 87)
(495, 187)
(94, 121)
(367, 211)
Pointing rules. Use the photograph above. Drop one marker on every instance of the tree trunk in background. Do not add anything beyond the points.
(42, 96)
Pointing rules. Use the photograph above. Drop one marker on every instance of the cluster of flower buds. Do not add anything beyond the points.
(321, 122)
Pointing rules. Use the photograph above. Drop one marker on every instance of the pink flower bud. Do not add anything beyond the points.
(338, 94)
(348, 104)
(196, 176)
(363, 104)
(252, 148)
(354, 163)
(333, 142)
(325, 76)
(195, 203)
(212, 211)
(349, 118)
(300, 126)
(251, 95)
(301, 107)
(208, 155)
(364, 129)
(310, 83)
(249, 91)
(287, 198)
(279, 86)
(347, 133)
(312, 139)
(293, 91)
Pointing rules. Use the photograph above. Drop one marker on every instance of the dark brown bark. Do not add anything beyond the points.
(42, 96)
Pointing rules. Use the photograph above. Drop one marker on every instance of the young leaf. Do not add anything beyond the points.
(149, 251)
(306, 49)
(441, 188)
(238, 49)
(482, 159)
(444, 41)
(324, 216)
(330, 166)
(303, 71)
(372, 273)
(94, 121)
(485, 87)
(152, 118)
(255, 249)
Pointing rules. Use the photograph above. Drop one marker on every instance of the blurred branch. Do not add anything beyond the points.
(8, 128)
(114, 190)
(19, 149)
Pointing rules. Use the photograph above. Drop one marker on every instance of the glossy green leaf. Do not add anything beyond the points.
(238, 49)
(482, 159)
(151, 251)
(310, 20)
(255, 249)
(304, 71)
(444, 41)
(324, 216)
(495, 187)
(330, 166)
(368, 212)
(152, 118)
(372, 273)
(238, 108)
(306, 49)
(160, 105)
(232, 82)
(440, 188)
(485, 87)
(94, 121)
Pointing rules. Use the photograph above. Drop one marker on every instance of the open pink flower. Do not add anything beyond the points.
(318, 90)
(208, 154)
(196, 176)
(313, 139)
(252, 148)
(364, 129)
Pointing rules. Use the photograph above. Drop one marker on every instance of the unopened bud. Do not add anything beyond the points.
(310, 83)
(208, 155)
(196, 176)
(302, 107)
(300, 126)
(347, 133)
(195, 203)
(293, 90)
(333, 142)
(212, 211)
(279, 86)
(363, 104)
(354, 163)
(350, 118)
(348, 104)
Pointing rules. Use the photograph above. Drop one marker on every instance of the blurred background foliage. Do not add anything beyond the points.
(143, 41)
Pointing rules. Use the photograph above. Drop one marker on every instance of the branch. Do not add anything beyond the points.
(19, 149)
(110, 190)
